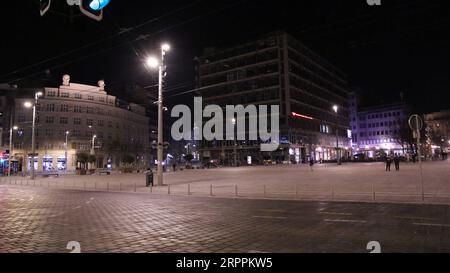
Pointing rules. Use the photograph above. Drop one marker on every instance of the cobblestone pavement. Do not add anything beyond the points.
(45, 220)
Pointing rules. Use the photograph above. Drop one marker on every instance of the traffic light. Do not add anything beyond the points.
(44, 6)
(93, 8)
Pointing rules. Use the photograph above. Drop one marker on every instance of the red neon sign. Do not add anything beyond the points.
(297, 115)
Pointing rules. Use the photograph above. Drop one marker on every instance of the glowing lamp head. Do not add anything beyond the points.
(38, 94)
(94, 136)
(233, 120)
(335, 108)
(152, 62)
(67, 132)
(15, 128)
(28, 104)
(165, 47)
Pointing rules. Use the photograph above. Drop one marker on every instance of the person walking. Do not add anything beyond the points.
(311, 164)
(397, 162)
(388, 163)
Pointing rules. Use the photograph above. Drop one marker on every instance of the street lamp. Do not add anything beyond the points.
(233, 121)
(93, 144)
(65, 152)
(338, 158)
(15, 128)
(154, 62)
(33, 131)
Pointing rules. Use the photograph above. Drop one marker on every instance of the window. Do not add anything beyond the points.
(90, 97)
(64, 95)
(101, 99)
(89, 122)
(100, 123)
(63, 120)
(51, 93)
(50, 107)
(21, 118)
(64, 108)
(78, 109)
(78, 96)
(49, 119)
(89, 110)
(76, 133)
(49, 132)
(77, 121)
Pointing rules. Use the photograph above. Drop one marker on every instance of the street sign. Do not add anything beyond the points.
(415, 123)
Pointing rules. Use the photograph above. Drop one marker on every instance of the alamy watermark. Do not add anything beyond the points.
(235, 115)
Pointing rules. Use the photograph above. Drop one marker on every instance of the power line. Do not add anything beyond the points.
(141, 37)
(127, 30)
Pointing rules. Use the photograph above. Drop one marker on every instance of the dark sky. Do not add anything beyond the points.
(400, 46)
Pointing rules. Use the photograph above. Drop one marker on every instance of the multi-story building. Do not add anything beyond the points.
(438, 131)
(278, 70)
(96, 123)
(375, 129)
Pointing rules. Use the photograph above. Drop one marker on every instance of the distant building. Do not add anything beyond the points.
(277, 70)
(438, 130)
(375, 129)
(83, 111)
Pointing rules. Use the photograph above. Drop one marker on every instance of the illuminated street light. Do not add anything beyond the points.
(65, 151)
(33, 133)
(338, 158)
(15, 128)
(153, 62)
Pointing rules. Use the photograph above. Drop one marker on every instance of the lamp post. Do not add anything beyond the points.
(153, 62)
(338, 158)
(93, 144)
(33, 130)
(65, 152)
(10, 147)
(234, 144)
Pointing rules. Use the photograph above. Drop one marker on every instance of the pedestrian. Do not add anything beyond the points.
(311, 164)
(174, 165)
(397, 162)
(388, 163)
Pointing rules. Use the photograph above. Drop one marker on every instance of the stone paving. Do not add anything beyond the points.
(355, 181)
(45, 220)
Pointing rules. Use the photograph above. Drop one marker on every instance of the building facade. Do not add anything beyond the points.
(277, 70)
(93, 121)
(438, 131)
(375, 129)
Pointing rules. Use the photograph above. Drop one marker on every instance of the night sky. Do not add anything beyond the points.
(400, 46)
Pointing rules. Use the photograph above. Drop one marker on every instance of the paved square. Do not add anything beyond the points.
(353, 181)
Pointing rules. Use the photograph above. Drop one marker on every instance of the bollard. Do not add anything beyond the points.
(134, 186)
(189, 189)
(296, 191)
(236, 190)
(210, 190)
(332, 192)
(264, 191)
(151, 188)
(168, 189)
(107, 186)
(373, 193)
(84, 185)
(48, 184)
